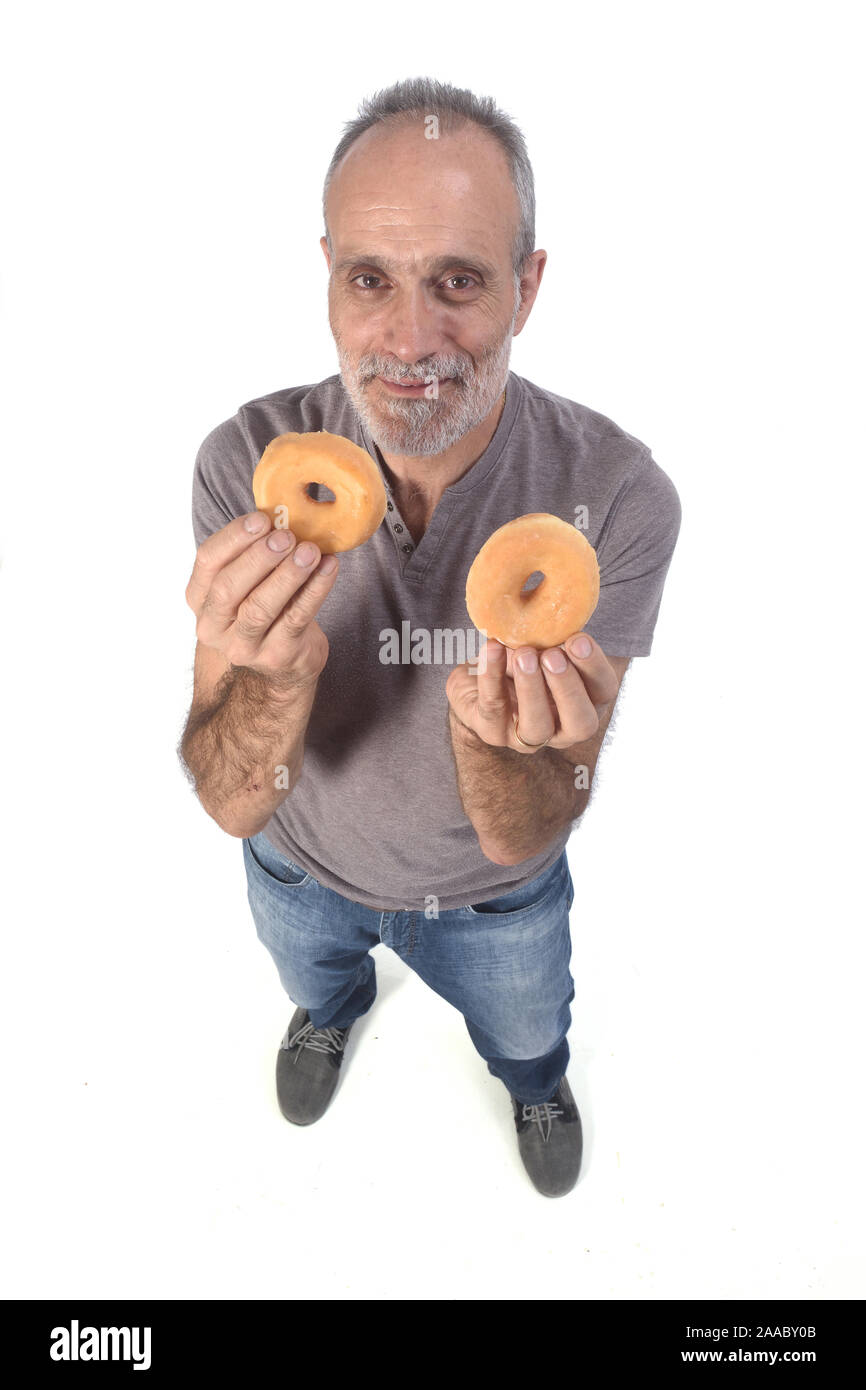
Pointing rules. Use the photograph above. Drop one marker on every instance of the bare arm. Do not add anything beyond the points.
(516, 804)
(239, 736)
(519, 801)
(257, 664)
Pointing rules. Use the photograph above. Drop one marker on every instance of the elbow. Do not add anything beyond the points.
(495, 856)
(231, 827)
(236, 826)
(508, 857)
(504, 857)
(241, 820)
(239, 832)
(244, 829)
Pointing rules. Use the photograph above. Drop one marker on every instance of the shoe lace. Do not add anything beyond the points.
(317, 1039)
(543, 1115)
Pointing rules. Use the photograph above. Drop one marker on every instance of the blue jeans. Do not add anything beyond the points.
(503, 963)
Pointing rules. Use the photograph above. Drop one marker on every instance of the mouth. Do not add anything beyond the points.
(413, 388)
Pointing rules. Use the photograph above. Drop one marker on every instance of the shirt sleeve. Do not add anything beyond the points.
(222, 480)
(634, 552)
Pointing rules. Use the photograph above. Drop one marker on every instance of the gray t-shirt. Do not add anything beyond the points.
(376, 814)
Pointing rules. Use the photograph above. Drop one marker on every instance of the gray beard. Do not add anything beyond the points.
(422, 428)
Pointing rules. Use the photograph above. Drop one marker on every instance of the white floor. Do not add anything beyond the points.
(711, 1061)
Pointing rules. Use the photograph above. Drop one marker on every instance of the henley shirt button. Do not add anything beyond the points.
(397, 526)
(407, 548)
(390, 506)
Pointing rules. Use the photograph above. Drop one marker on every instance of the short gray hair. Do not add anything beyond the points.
(455, 107)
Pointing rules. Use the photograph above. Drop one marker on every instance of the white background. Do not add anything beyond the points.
(698, 183)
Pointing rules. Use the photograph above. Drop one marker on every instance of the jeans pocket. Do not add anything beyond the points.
(526, 899)
(269, 861)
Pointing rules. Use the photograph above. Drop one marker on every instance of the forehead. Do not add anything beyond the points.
(414, 196)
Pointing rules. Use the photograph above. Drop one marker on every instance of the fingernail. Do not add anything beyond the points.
(528, 662)
(306, 554)
(581, 646)
(255, 522)
(328, 565)
(554, 661)
(278, 540)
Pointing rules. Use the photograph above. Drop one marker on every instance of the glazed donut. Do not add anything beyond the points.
(563, 601)
(292, 462)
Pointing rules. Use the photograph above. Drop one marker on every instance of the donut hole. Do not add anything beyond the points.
(320, 492)
(531, 583)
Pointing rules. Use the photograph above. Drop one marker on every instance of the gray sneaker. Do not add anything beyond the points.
(308, 1068)
(550, 1139)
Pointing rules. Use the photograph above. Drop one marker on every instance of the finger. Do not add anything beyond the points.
(309, 598)
(493, 710)
(598, 676)
(264, 605)
(461, 689)
(576, 714)
(218, 550)
(536, 719)
(239, 598)
(478, 663)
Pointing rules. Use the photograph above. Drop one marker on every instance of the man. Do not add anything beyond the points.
(387, 789)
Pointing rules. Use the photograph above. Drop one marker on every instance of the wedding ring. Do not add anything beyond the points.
(523, 740)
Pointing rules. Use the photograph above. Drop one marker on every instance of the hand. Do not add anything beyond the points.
(257, 605)
(563, 707)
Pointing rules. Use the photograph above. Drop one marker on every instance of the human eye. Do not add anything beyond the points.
(461, 275)
(365, 275)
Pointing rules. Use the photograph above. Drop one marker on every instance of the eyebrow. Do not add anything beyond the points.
(434, 266)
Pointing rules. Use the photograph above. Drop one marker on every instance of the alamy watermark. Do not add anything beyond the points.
(421, 646)
(75, 1343)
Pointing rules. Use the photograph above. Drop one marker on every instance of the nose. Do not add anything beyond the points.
(413, 328)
